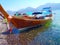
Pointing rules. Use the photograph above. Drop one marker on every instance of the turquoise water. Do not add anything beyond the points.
(56, 18)
(52, 35)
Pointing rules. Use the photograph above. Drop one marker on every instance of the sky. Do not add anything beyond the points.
(15, 5)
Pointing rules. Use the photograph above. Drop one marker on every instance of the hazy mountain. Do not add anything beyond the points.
(28, 9)
(11, 12)
(54, 6)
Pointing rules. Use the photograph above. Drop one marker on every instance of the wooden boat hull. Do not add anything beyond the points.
(22, 22)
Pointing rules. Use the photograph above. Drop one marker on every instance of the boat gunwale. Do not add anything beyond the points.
(16, 17)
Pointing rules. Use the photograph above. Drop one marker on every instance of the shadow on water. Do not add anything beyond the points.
(16, 31)
(25, 37)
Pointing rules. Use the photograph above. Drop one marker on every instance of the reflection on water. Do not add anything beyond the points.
(24, 38)
(40, 36)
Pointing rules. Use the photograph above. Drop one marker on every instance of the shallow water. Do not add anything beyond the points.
(39, 36)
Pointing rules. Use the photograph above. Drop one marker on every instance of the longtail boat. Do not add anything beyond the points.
(25, 21)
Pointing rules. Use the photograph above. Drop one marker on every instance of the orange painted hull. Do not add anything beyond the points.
(22, 22)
